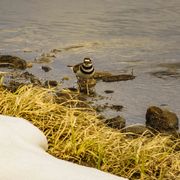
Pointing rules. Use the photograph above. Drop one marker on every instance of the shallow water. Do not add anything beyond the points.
(118, 35)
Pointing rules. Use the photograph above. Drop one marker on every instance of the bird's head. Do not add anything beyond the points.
(87, 62)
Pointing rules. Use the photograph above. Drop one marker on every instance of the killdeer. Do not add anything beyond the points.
(84, 72)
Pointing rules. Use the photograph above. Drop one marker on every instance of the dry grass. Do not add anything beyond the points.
(76, 134)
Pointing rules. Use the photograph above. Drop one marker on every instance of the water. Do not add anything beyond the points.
(118, 35)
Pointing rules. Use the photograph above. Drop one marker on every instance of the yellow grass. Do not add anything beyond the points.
(76, 134)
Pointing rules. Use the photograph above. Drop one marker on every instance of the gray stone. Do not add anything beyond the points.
(136, 129)
(117, 122)
(46, 68)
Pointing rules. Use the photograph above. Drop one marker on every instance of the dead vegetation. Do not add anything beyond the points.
(76, 134)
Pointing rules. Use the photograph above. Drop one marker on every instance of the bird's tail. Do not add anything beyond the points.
(70, 66)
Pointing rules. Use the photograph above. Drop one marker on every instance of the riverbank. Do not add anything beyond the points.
(77, 134)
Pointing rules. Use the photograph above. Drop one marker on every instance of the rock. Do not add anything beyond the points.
(116, 107)
(108, 77)
(121, 77)
(99, 75)
(73, 89)
(51, 83)
(32, 78)
(62, 97)
(71, 98)
(100, 108)
(13, 62)
(109, 91)
(136, 129)
(24, 156)
(12, 81)
(161, 120)
(117, 122)
(13, 85)
(46, 68)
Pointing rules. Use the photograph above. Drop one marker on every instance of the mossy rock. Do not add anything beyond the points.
(12, 62)
(117, 122)
(136, 129)
(161, 120)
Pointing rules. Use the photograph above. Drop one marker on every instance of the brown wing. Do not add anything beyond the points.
(76, 67)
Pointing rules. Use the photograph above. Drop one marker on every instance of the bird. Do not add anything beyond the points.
(84, 72)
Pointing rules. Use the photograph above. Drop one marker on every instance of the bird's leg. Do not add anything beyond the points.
(87, 87)
(79, 85)
(79, 88)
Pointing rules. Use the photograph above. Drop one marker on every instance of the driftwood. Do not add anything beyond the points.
(108, 77)
(121, 77)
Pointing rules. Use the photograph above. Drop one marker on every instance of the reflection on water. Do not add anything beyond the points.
(119, 35)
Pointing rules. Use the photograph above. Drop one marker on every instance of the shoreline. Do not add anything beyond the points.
(78, 135)
(19, 76)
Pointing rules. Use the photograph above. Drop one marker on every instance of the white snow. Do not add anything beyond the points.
(23, 156)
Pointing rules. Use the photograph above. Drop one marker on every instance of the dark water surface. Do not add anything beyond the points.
(118, 34)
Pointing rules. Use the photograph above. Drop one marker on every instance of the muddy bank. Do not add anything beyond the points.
(21, 76)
